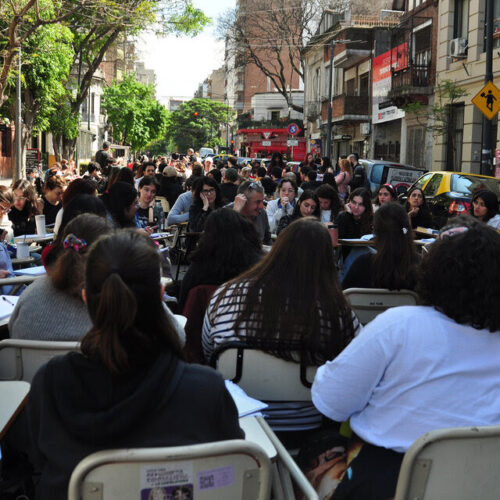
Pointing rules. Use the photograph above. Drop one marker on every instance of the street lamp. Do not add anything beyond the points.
(486, 157)
(19, 122)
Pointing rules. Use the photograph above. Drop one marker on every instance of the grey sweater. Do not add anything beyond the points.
(45, 313)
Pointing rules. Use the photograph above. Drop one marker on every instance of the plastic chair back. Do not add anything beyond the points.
(457, 463)
(20, 359)
(367, 303)
(262, 375)
(235, 469)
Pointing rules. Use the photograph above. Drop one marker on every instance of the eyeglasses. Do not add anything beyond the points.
(208, 191)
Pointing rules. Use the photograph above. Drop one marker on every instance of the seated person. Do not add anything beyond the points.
(289, 303)
(51, 308)
(330, 203)
(385, 194)
(25, 207)
(307, 206)
(52, 198)
(484, 207)
(418, 211)
(418, 368)
(394, 265)
(128, 388)
(249, 202)
(180, 211)
(229, 188)
(206, 198)
(148, 188)
(283, 205)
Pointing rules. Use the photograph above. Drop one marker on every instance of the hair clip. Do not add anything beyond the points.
(452, 232)
(71, 241)
(405, 231)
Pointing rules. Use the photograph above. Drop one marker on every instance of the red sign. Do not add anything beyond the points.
(293, 129)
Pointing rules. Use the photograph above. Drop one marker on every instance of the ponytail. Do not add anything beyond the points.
(114, 319)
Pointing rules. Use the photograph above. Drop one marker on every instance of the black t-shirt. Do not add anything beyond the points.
(143, 216)
(50, 211)
(228, 190)
(104, 158)
(21, 223)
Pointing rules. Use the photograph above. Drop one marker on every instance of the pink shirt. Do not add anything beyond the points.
(342, 181)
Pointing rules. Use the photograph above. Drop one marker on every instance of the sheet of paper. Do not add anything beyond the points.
(7, 304)
(244, 403)
(30, 271)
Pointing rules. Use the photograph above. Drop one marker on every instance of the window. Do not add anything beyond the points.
(433, 185)
(455, 137)
(422, 180)
(415, 146)
(350, 87)
(275, 116)
(461, 19)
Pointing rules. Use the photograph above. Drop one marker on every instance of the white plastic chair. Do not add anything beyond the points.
(457, 463)
(367, 303)
(235, 469)
(262, 375)
(20, 359)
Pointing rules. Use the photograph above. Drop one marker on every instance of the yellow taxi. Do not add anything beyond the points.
(450, 193)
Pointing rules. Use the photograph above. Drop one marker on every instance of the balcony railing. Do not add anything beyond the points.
(350, 105)
(412, 76)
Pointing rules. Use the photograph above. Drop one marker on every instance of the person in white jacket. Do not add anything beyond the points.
(283, 205)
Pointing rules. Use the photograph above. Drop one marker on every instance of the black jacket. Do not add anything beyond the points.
(76, 408)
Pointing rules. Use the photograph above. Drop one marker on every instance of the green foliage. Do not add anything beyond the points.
(64, 122)
(187, 130)
(136, 116)
(185, 20)
(47, 60)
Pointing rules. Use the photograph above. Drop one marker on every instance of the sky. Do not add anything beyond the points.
(181, 64)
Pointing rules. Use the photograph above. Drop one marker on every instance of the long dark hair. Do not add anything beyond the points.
(198, 188)
(67, 273)
(31, 207)
(490, 201)
(85, 185)
(122, 286)
(229, 245)
(308, 194)
(387, 187)
(326, 191)
(424, 207)
(292, 297)
(394, 264)
(117, 200)
(367, 216)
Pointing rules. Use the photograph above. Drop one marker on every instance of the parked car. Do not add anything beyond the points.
(400, 176)
(450, 193)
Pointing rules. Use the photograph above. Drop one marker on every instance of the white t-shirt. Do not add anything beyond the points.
(412, 370)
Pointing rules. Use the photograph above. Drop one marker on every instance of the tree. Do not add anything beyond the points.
(136, 116)
(197, 123)
(438, 119)
(96, 30)
(20, 19)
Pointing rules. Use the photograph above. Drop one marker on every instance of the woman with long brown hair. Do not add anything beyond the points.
(22, 213)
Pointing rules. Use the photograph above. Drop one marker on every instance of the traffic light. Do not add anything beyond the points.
(196, 114)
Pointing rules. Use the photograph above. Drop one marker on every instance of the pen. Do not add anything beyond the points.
(8, 301)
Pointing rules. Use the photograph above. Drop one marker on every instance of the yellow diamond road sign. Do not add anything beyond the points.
(488, 100)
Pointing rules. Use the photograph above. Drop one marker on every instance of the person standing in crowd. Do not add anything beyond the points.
(284, 205)
(484, 207)
(147, 169)
(359, 177)
(418, 211)
(22, 214)
(343, 178)
(52, 197)
(414, 369)
(394, 265)
(104, 157)
(206, 198)
(249, 202)
(128, 385)
(276, 161)
(385, 194)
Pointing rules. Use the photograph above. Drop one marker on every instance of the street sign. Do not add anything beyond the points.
(293, 129)
(488, 100)
(266, 143)
(292, 142)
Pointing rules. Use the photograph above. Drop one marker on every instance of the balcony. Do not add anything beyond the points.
(351, 108)
(350, 57)
(411, 84)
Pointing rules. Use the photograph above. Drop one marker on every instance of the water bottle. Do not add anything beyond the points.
(157, 214)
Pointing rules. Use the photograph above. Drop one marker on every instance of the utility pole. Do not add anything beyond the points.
(19, 122)
(487, 156)
(329, 136)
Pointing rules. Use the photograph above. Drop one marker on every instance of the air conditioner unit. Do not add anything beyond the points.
(364, 128)
(458, 47)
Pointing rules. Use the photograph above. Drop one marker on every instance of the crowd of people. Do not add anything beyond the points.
(265, 271)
